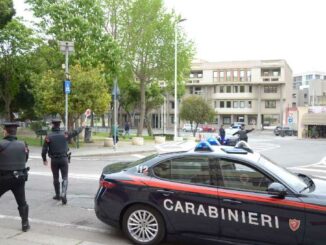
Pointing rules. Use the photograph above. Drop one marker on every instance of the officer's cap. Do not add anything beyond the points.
(56, 120)
(10, 124)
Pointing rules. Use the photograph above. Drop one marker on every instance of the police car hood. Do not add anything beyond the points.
(318, 192)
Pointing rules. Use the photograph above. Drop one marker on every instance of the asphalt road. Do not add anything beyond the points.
(77, 220)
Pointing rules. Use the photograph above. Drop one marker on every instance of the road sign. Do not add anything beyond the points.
(67, 87)
(290, 120)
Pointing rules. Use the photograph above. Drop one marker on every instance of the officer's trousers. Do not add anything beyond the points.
(59, 164)
(17, 187)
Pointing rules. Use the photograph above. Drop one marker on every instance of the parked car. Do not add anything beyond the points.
(283, 131)
(230, 195)
(237, 125)
(187, 128)
(208, 128)
(230, 139)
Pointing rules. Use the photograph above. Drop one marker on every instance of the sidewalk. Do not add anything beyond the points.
(98, 149)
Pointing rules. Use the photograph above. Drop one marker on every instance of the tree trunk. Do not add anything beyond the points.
(148, 125)
(103, 120)
(142, 108)
(7, 101)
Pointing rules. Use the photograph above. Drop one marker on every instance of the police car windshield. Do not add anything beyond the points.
(291, 179)
(140, 161)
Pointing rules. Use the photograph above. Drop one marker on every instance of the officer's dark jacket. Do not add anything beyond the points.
(243, 133)
(13, 154)
(56, 143)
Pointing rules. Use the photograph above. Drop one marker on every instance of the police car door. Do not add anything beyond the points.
(188, 197)
(248, 212)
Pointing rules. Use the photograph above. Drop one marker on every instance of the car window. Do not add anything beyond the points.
(188, 170)
(239, 176)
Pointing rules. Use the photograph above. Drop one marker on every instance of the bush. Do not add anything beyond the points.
(37, 125)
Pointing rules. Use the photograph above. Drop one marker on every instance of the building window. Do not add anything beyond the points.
(270, 104)
(242, 104)
(221, 89)
(294, 96)
(222, 76)
(228, 89)
(242, 75)
(215, 104)
(250, 89)
(270, 89)
(235, 75)
(215, 74)
(172, 104)
(235, 89)
(226, 120)
(309, 77)
(242, 89)
(228, 104)
(249, 104)
(317, 76)
(172, 119)
(221, 104)
(215, 89)
(228, 76)
(305, 96)
(249, 76)
(235, 104)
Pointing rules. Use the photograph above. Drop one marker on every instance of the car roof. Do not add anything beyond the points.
(219, 151)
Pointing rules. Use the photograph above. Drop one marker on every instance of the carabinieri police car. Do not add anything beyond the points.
(221, 193)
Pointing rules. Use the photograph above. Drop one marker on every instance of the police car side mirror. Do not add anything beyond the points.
(277, 189)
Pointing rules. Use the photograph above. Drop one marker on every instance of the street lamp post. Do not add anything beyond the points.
(175, 78)
(66, 47)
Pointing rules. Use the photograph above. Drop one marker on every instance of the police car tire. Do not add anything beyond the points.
(151, 211)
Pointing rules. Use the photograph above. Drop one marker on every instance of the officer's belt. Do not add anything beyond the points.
(14, 173)
(59, 155)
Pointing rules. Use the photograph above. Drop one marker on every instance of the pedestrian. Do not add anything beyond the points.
(13, 171)
(222, 134)
(127, 128)
(56, 145)
(115, 133)
(243, 133)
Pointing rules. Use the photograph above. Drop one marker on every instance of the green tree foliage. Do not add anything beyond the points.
(196, 110)
(81, 21)
(145, 33)
(16, 41)
(88, 90)
(7, 11)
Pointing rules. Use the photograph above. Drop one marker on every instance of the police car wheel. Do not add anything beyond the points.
(143, 225)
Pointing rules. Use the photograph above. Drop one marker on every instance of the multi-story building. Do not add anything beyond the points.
(254, 92)
(301, 82)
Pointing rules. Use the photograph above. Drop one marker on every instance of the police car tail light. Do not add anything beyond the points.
(107, 184)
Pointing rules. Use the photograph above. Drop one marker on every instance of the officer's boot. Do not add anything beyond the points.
(23, 212)
(64, 192)
(57, 191)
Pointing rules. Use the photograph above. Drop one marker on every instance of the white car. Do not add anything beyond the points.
(187, 128)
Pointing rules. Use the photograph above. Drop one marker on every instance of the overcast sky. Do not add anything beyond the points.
(229, 30)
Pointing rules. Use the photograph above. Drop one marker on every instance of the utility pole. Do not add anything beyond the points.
(66, 47)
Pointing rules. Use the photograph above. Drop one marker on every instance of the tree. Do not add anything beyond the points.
(7, 11)
(196, 110)
(145, 34)
(89, 90)
(16, 41)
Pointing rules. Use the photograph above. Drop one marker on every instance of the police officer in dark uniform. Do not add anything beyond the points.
(243, 133)
(13, 171)
(56, 145)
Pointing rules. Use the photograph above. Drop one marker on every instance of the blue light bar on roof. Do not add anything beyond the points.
(213, 141)
(203, 146)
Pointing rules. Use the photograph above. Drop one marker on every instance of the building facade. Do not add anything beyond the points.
(254, 92)
(301, 83)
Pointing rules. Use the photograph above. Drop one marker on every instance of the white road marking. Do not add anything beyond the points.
(138, 156)
(57, 224)
(71, 175)
(318, 168)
